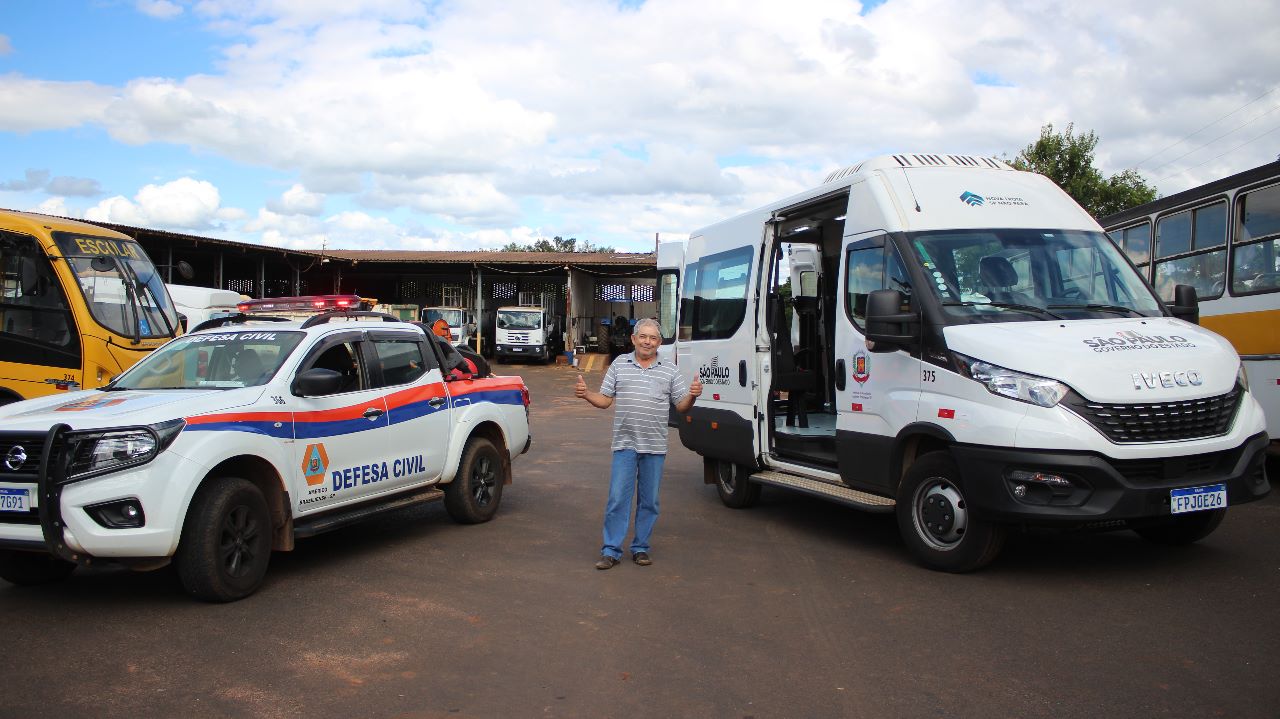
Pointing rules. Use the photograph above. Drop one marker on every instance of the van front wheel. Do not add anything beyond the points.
(935, 521)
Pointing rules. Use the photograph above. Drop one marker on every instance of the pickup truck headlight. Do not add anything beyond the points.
(101, 452)
(1012, 384)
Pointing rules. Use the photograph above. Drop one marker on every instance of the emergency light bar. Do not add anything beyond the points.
(309, 303)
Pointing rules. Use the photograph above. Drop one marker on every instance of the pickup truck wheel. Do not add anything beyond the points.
(28, 569)
(733, 485)
(226, 541)
(935, 522)
(473, 496)
(1183, 528)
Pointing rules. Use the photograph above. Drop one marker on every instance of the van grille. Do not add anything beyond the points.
(1159, 421)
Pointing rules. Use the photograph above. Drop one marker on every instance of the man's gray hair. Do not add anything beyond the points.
(648, 321)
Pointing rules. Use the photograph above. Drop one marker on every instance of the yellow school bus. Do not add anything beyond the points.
(80, 305)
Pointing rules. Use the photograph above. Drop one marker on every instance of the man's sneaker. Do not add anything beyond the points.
(641, 558)
(606, 562)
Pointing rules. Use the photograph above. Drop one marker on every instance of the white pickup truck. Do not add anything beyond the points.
(233, 441)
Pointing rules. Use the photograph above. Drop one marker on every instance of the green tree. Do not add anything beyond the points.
(555, 244)
(1068, 160)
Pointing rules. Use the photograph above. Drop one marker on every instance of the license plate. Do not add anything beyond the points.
(14, 500)
(517, 349)
(1197, 499)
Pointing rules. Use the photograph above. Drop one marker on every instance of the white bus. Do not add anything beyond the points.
(1222, 238)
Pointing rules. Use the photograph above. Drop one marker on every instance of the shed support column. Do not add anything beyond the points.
(217, 272)
(262, 277)
(479, 308)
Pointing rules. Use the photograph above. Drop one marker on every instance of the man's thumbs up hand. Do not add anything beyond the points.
(580, 388)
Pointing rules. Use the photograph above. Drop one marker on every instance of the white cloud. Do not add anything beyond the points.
(56, 206)
(297, 201)
(183, 204)
(27, 105)
(159, 9)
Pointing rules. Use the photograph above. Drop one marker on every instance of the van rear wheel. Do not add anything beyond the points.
(935, 522)
(733, 485)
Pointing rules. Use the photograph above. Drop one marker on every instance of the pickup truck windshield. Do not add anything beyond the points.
(1002, 275)
(517, 320)
(212, 361)
(106, 269)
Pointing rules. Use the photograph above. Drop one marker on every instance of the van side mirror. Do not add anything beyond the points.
(1186, 306)
(317, 382)
(888, 327)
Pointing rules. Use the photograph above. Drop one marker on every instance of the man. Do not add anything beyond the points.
(642, 385)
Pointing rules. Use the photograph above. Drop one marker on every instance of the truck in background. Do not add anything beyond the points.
(461, 321)
(527, 333)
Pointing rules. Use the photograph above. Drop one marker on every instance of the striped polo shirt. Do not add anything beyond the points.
(641, 396)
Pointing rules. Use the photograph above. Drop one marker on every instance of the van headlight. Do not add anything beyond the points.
(99, 452)
(1242, 378)
(1012, 384)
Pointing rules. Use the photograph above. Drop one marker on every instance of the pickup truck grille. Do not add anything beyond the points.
(31, 444)
(27, 472)
(1159, 421)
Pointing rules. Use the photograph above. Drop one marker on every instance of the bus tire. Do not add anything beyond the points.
(474, 494)
(28, 569)
(226, 541)
(733, 485)
(1181, 529)
(935, 522)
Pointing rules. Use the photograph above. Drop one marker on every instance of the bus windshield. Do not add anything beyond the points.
(227, 360)
(519, 320)
(106, 269)
(1000, 275)
(452, 317)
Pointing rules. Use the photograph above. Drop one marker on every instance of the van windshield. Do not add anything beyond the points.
(999, 275)
(519, 320)
(212, 360)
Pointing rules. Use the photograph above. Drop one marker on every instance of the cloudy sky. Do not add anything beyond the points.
(461, 125)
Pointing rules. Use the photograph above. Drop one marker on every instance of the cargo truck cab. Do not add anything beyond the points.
(958, 342)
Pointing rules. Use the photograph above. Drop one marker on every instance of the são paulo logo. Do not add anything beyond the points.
(713, 373)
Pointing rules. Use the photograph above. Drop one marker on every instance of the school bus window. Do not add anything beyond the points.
(1201, 231)
(34, 314)
(1255, 262)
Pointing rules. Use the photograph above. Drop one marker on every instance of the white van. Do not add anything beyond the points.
(973, 354)
(201, 304)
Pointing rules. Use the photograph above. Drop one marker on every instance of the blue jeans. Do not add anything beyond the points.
(634, 475)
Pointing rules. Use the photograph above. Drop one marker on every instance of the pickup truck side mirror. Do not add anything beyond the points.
(1186, 306)
(317, 382)
(888, 327)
